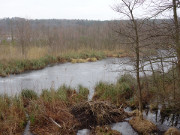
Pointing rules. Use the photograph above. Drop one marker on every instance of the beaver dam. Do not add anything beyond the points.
(91, 114)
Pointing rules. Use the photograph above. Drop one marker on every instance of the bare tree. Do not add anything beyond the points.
(161, 7)
(131, 33)
(24, 34)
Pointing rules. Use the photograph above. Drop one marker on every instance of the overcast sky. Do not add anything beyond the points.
(58, 9)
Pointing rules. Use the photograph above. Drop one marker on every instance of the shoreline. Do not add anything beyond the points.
(22, 66)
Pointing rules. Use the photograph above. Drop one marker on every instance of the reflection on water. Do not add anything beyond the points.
(124, 128)
(162, 123)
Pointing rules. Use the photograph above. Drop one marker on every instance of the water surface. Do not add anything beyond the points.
(87, 74)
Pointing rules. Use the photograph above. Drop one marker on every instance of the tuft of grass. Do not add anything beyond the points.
(116, 93)
(46, 95)
(83, 60)
(172, 131)
(105, 130)
(127, 78)
(92, 59)
(79, 60)
(29, 94)
(62, 93)
(142, 126)
(82, 94)
(83, 91)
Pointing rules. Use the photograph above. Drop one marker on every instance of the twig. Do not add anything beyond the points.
(55, 122)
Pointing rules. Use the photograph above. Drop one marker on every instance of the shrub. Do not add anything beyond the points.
(127, 78)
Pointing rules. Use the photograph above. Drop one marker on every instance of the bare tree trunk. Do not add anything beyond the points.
(12, 31)
(131, 34)
(176, 34)
(163, 73)
(145, 76)
(137, 64)
(174, 82)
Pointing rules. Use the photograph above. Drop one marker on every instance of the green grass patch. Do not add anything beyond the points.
(116, 93)
(29, 94)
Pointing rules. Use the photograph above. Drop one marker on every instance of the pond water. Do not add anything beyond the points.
(162, 123)
(87, 74)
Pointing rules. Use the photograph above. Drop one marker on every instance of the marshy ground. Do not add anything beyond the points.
(66, 110)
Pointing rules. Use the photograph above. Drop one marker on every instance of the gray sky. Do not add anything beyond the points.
(58, 9)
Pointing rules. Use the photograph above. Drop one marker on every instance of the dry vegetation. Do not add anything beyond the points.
(172, 131)
(12, 116)
(35, 44)
(43, 111)
(144, 127)
(104, 130)
(66, 110)
(39, 57)
(43, 119)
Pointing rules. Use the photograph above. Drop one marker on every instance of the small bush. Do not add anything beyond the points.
(116, 93)
(63, 93)
(127, 78)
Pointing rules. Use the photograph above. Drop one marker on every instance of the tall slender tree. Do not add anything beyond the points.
(130, 31)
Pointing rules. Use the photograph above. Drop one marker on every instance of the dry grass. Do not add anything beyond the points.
(144, 127)
(83, 60)
(172, 131)
(9, 52)
(37, 52)
(79, 60)
(12, 116)
(104, 130)
(118, 53)
(47, 112)
(43, 111)
(13, 61)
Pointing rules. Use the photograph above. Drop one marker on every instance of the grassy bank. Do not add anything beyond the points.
(154, 94)
(55, 112)
(12, 62)
(118, 93)
(41, 110)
